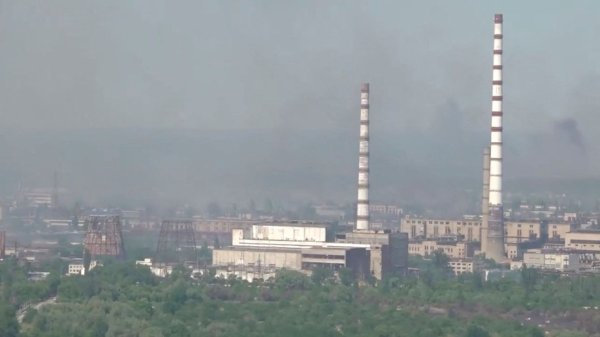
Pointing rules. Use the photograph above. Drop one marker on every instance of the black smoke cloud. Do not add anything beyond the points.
(567, 130)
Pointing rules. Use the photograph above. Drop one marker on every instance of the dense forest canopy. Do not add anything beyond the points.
(120, 299)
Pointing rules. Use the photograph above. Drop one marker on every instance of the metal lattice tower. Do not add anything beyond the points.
(104, 237)
(176, 243)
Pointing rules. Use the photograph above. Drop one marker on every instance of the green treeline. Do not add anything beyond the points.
(121, 299)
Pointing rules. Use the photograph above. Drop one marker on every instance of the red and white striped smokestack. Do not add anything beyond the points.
(362, 206)
(495, 244)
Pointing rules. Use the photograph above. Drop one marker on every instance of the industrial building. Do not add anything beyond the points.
(289, 246)
(472, 230)
(555, 260)
(218, 231)
(256, 259)
(583, 240)
(463, 265)
(423, 228)
(557, 231)
(304, 246)
(452, 248)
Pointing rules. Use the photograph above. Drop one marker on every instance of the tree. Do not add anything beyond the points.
(529, 278)
(346, 276)
(440, 259)
(320, 275)
(9, 327)
(476, 331)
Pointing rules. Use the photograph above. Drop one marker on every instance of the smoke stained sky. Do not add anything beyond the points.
(285, 69)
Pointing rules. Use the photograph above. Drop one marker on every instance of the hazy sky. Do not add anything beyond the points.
(297, 65)
(273, 64)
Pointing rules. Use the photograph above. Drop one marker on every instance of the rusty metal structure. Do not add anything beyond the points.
(176, 243)
(104, 237)
(2, 244)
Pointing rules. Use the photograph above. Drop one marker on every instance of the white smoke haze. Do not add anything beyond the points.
(192, 101)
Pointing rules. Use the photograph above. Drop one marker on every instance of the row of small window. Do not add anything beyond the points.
(530, 226)
(433, 222)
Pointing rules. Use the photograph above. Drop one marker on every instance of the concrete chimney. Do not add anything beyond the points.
(495, 243)
(485, 198)
(362, 206)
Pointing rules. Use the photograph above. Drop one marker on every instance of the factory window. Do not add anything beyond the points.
(321, 256)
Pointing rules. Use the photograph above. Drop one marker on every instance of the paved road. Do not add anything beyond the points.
(21, 313)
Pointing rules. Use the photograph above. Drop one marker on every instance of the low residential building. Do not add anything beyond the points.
(147, 262)
(466, 265)
(37, 275)
(76, 269)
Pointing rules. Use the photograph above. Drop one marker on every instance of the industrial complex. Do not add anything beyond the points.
(303, 247)
(251, 246)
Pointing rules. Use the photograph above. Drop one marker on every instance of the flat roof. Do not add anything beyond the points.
(300, 244)
(295, 224)
(262, 249)
(586, 231)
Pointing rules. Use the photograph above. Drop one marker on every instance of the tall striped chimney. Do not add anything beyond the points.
(495, 244)
(485, 198)
(362, 206)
